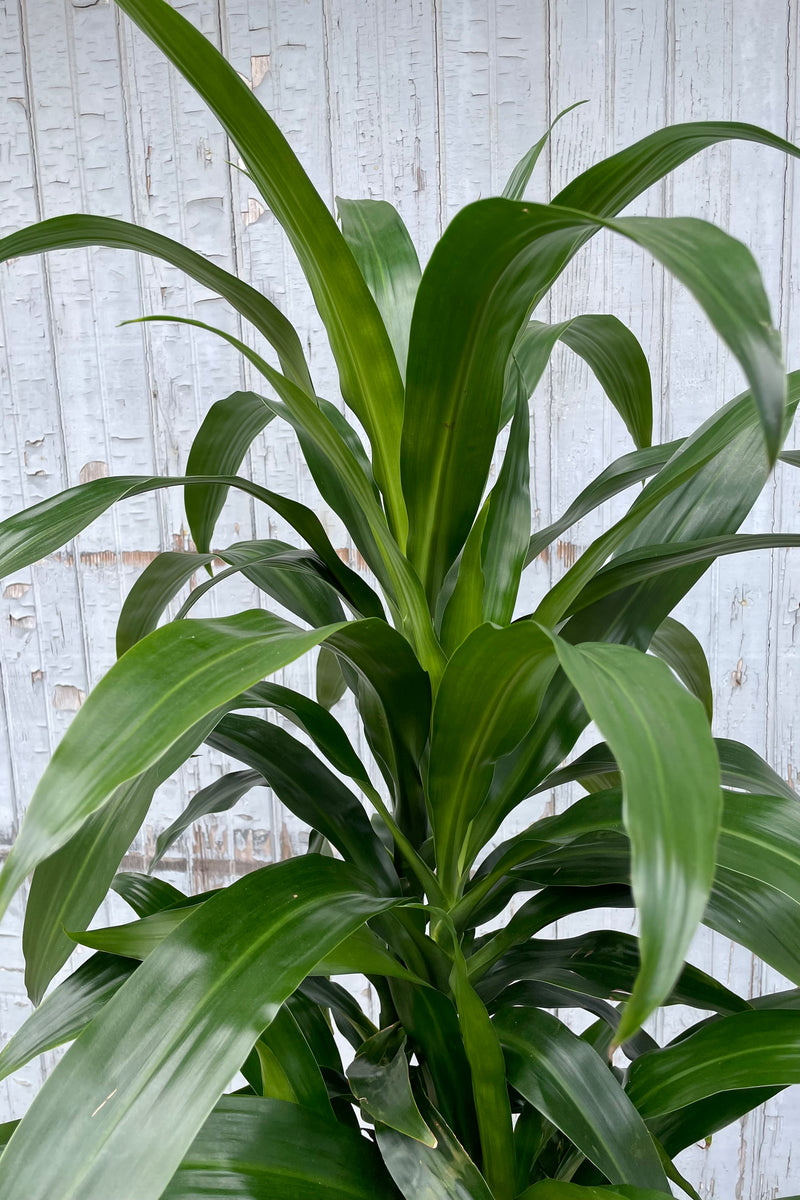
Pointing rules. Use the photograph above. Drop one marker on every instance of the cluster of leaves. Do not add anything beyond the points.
(471, 1087)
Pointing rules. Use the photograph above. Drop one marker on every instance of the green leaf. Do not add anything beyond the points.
(680, 650)
(78, 229)
(508, 523)
(384, 251)
(567, 1081)
(284, 1041)
(35, 532)
(69, 886)
(463, 612)
(262, 935)
(611, 352)
(297, 579)
(424, 1173)
(430, 1020)
(128, 721)
(67, 1010)
(746, 1050)
(489, 1086)
(330, 682)
(217, 797)
(672, 829)
(611, 185)
(159, 582)
(519, 178)
(145, 894)
(393, 694)
(647, 562)
(601, 963)
(475, 293)
(379, 1078)
(623, 473)
(308, 789)
(219, 448)
(489, 697)
(369, 378)
(324, 730)
(256, 1149)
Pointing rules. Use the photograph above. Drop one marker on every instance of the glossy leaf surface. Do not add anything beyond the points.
(287, 916)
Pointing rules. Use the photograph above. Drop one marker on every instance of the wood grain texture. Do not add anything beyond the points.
(427, 103)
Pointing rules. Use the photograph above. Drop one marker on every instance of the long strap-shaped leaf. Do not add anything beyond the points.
(255, 1149)
(308, 789)
(384, 251)
(443, 1172)
(70, 885)
(368, 371)
(488, 699)
(621, 474)
(470, 305)
(156, 692)
(67, 1010)
(76, 230)
(567, 1081)
(749, 1049)
(659, 736)
(552, 1189)
(259, 938)
(611, 351)
(707, 488)
(27, 536)
(218, 448)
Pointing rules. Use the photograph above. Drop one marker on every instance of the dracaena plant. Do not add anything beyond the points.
(474, 1084)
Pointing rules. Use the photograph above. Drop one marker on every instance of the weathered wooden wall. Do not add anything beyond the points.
(427, 103)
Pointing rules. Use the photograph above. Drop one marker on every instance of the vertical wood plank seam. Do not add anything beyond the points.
(51, 349)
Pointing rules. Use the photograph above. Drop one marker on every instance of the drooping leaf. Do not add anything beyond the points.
(601, 963)
(368, 374)
(648, 561)
(379, 1078)
(78, 229)
(159, 582)
(623, 473)
(219, 447)
(611, 352)
(672, 829)
(217, 797)
(382, 247)
(567, 1080)
(128, 722)
(35, 532)
(67, 1010)
(746, 1050)
(69, 886)
(681, 651)
(475, 293)
(308, 789)
(145, 894)
(265, 932)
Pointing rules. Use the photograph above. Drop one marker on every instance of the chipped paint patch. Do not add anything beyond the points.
(67, 697)
(97, 469)
(20, 624)
(259, 67)
(15, 591)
